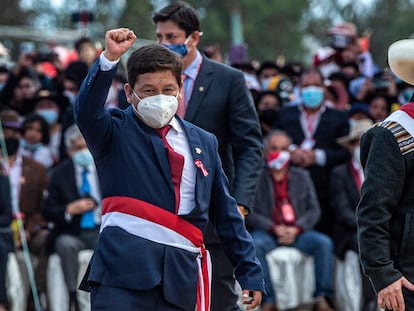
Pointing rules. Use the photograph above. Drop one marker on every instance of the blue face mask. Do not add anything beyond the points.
(50, 115)
(312, 96)
(265, 83)
(180, 49)
(30, 147)
(83, 157)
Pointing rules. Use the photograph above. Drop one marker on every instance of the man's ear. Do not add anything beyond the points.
(128, 92)
(195, 38)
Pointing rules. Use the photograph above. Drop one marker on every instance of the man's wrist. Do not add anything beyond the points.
(243, 210)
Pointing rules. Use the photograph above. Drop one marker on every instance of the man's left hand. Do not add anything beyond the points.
(255, 298)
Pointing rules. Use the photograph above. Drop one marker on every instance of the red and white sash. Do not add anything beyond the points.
(153, 223)
(405, 117)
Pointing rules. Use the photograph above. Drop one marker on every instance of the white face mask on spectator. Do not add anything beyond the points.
(328, 69)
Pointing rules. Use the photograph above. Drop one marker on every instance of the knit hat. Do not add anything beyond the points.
(278, 160)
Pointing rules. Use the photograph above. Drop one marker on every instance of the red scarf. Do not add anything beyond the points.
(283, 212)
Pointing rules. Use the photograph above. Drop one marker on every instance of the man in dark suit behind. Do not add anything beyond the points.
(216, 99)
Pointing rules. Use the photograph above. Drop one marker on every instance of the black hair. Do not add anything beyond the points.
(180, 13)
(152, 58)
(44, 126)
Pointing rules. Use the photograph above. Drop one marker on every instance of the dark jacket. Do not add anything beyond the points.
(301, 193)
(385, 212)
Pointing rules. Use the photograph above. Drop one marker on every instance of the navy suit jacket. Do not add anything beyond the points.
(222, 104)
(131, 162)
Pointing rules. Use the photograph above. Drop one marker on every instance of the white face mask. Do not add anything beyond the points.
(156, 111)
(328, 69)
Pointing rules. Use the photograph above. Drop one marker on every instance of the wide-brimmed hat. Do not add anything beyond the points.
(357, 128)
(10, 119)
(43, 94)
(401, 59)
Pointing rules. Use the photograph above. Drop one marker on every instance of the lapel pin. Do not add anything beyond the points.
(200, 165)
(198, 150)
(201, 88)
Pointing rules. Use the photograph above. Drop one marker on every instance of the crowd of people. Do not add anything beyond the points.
(288, 140)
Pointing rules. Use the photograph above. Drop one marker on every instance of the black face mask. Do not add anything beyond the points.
(12, 144)
(268, 116)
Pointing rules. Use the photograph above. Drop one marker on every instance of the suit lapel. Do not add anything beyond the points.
(196, 149)
(201, 85)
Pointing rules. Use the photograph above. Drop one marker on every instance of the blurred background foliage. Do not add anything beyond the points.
(271, 30)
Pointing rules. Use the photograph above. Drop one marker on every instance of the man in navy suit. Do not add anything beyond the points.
(150, 254)
(216, 99)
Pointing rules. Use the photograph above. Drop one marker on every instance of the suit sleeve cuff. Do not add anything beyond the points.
(106, 64)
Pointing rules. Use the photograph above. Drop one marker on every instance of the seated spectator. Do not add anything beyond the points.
(285, 211)
(28, 179)
(19, 88)
(346, 180)
(35, 140)
(73, 206)
(50, 105)
(6, 238)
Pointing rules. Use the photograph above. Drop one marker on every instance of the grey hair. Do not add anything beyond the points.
(272, 133)
(72, 133)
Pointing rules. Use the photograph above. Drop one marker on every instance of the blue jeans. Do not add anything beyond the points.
(310, 242)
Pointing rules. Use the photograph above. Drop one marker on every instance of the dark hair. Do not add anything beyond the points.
(44, 126)
(268, 64)
(81, 42)
(311, 71)
(152, 58)
(180, 13)
(266, 93)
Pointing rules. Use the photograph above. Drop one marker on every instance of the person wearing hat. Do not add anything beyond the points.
(28, 179)
(50, 105)
(346, 180)
(285, 211)
(385, 210)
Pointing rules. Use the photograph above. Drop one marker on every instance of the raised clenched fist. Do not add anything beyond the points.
(117, 42)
